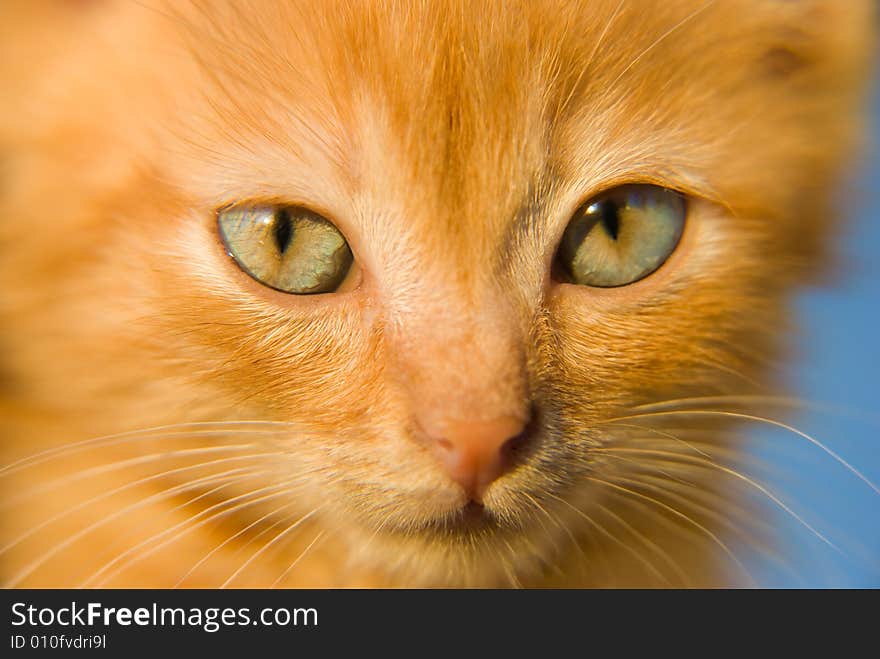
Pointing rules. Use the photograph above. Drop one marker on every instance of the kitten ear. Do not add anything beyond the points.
(822, 54)
(808, 33)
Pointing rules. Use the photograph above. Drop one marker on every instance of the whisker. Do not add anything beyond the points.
(119, 464)
(612, 452)
(736, 474)
(142, 434)
(68, 511)
(677, 513)
(297, 559)
(242, 531)
(364, 547)
(762, 399)
(724, 367)
(165, 494)
(699, 501)
(578, 545)
(508, 567)
(266, 546)
(657, 431)
(542, 510)
(613, 538)
(759, 419)
(703, 502)
(553, 520)
(188, 502)
(648, 543)
(211, 516)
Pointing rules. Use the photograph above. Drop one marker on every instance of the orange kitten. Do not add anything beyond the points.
(403, 293)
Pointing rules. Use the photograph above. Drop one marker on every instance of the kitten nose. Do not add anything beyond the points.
(475, 453)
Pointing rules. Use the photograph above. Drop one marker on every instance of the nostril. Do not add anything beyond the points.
(515, 449)
(512, 450)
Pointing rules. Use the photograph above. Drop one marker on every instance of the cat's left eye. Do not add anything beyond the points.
(621, 236)
(288, 248)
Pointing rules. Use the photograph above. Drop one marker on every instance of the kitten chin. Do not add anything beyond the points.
(395, 294)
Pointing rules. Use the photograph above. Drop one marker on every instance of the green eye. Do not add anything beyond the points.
(287, 248)
(621, 236)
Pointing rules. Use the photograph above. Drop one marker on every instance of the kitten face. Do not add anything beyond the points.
(451, 149)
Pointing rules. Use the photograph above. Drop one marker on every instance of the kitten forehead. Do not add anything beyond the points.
(453, 84)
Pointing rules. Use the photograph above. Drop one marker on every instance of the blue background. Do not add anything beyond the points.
(837, 366)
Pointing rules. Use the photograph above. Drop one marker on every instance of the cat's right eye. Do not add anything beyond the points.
(621, 236)
(288, 248)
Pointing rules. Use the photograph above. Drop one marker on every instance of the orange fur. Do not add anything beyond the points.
(450, 141)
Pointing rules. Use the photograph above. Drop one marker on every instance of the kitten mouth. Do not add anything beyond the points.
(474, 515)
(466, 521)
(472, 518)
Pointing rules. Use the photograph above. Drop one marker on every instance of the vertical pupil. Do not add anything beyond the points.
(610, 218)
(282, 230)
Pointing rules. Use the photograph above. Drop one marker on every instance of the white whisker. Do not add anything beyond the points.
(231, 538)
(679, 514)
(613, 538)
(105, 495)
(145, 434)
(266, 546)
(661, 433)
(759, 419)
(224, 509)
(165, 494)
(119, 464)
(751, 482)
(297, 559)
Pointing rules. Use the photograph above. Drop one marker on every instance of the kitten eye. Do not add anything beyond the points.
(621, 236)
(287, 248)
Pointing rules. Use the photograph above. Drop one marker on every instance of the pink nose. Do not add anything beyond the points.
(474, 453)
